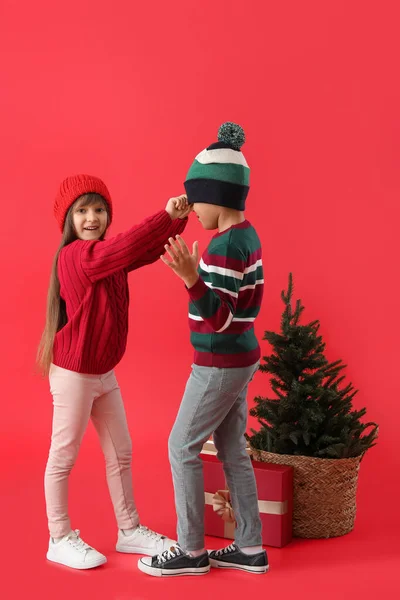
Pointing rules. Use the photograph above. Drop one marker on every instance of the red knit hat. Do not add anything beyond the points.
(73, 187)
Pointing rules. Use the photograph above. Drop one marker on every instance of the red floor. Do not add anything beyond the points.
(362, 564)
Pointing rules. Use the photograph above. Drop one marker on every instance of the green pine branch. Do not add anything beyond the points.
(312, 412)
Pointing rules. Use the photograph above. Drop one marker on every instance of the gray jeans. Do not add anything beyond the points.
(214, 402)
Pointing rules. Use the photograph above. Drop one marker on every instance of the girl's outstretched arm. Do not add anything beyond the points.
(98, 260)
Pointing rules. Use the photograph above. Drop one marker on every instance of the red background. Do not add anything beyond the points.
(131, 92)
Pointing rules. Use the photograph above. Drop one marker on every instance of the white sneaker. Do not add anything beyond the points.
(73, 552)
(143, 541)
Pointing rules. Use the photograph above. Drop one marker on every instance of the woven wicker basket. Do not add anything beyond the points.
(324, 490)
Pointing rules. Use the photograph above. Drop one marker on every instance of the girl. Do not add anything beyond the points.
(84, 339)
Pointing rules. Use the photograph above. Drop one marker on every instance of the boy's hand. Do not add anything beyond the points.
(178, 208)
(182, 261)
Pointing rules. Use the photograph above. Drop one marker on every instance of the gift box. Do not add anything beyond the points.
(275, 499)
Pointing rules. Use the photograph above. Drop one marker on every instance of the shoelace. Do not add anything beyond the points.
(77, 542)
(230, 548)
(150, 533)
(168, 554)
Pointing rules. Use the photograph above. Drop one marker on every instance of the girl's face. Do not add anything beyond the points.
(90, 220)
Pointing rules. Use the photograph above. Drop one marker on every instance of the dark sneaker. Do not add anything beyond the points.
(232, 557)
(175, 562)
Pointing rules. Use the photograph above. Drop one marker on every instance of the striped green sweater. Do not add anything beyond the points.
(226, 299)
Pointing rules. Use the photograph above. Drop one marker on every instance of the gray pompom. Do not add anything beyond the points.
(232, 134)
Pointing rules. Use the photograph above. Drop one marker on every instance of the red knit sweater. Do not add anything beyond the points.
(94, 285)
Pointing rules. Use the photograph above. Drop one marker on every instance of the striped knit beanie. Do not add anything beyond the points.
(74, 187)
(220, 174)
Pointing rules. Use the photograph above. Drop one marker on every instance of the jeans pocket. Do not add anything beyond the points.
(256, 368)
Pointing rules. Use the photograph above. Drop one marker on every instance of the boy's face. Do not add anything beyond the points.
(207, 214)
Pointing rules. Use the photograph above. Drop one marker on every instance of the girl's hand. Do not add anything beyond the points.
(182, 261)
(186, 211)
(178, 208)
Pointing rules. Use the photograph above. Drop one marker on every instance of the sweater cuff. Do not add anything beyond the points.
(178, 226)
(164, 212)
(198, 290)
(165, 224)
(181, 225)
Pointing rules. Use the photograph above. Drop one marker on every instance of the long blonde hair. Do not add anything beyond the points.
(56, 313)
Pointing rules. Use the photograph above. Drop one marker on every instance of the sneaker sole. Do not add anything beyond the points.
(171, 573)
(219, 564)
(135, 550)
(83, 567)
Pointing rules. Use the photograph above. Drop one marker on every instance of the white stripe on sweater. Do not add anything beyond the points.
(225, 291)
(244, 319)
(251, 287)
(195, 317)
(227, 323)
(221, 155)
(253, 267)
(221, 270)
(231, 319)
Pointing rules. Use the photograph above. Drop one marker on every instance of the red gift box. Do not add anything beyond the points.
(275, 500)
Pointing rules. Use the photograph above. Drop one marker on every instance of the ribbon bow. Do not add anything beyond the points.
(222, 506)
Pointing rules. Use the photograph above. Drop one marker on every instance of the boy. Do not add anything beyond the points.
(225, 297)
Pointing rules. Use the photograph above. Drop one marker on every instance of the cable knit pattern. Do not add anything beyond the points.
(94, 284)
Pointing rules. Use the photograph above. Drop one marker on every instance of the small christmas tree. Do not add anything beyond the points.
(312, 413)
